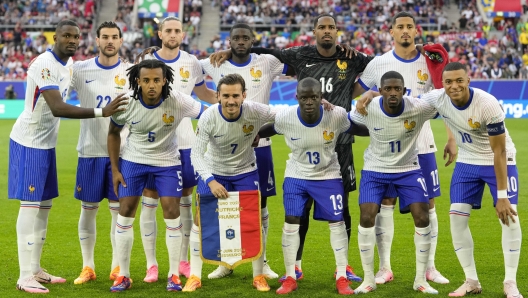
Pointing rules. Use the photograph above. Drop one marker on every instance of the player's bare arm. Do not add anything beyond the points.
(451, 148)
(503, 208)
(114, 145)
(365, 99)
(61, 109)
(206, 94)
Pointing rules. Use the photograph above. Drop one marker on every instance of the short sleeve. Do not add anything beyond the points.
(432, 97)
(493, 113)
(343, 120)
(119, 118)
(75, 74)
(278, 125)
(265, 113)
(198, 71)
(356, 117)
(205, 63)
(368, 78)
(276, 66)
(45, 74)
(289, 55)
(190, 107)
(361, 61)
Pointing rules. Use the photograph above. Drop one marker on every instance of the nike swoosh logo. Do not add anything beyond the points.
(364, 250)
(146, 235)
(512, 250)
(186, 235)
(61, 79)
(424, 250)
(172, 236)
(338, 249)
(135, 122)
(310, 65)
(120, 232)
(509, 197)
(380, 234)
(337, 213)
(376, 129)
(433, 236)
(295, 139)
(31, 243)
(436, 188)
(286, 245)
(458, 249)
(268, 189)
(426, 195)
(87, 82)
(178, 189)
(196, 249)
(84, 238)
(443, 116)
(218, 136)
(43, 239)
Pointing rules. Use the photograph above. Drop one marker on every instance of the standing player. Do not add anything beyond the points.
(151, 150)
(312, 172)
(337, 73)
(487, 156)
(258, 72)
(223, 157)
(188, 77)
(413, 67)
(32, 175)
(394, 122)
(94, 176)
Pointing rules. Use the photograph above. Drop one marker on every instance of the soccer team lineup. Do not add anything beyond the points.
(137, 147)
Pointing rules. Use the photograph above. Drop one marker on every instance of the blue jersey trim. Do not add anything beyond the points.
(395, 115)
(468, 103)
(308, 124)
(230, 120)
(201, 111)
(115, 123)
(199, 84)
(241, 64)
(209, 180)
(363, 85)
(50, 87)
(57, 57)
(150, 107)
(406, 61)
(285, 69)
(106, 67)
(167, 61)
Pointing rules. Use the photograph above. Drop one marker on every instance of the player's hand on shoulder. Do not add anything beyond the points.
(147, 51)
(216, 59)
(505, 211)
(327, 106)
(218, 190)
(117, 179)
(350, 52)
(451, 150)
(364, 100)
(256, 141)
(116, 105)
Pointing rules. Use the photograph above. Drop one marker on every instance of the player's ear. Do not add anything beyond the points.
(159, 34)
(404, 90)
(164, 81)
(244, 95)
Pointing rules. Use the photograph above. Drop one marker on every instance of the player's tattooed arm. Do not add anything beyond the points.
(61, 109)
(114, 145)
(451, 148)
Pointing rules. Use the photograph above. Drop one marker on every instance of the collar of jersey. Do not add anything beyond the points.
(310, 124)
(468, 103)
(56, 57)
(241, 64)
(147, 106)
(106, 67)
(230, 120)
(406, 61)
(167, 61)
(396, 115)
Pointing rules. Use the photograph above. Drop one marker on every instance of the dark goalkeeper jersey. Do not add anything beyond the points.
(337, 74)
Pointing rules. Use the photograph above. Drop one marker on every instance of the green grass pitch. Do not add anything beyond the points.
(62, 254)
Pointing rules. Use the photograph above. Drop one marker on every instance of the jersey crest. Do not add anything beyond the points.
(328, 136)
(184, 74)
(120, 82)
(342, 69)
(247, 129)
(409, 125)
(256, 74)
(473, 124)
(167, 118)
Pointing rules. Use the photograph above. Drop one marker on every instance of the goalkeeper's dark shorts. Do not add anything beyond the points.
(346, 164)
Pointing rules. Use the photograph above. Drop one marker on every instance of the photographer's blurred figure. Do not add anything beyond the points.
(10, 92)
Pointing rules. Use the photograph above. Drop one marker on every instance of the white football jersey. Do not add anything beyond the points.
(152, 139)
(469, 125)
(36, 127)
(392, 147)
(312, 146)
(223, 146)
(258, 72)
(417, 81)
(96, 86)
(187, 74)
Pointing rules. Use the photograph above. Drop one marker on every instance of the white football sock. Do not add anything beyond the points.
(264, 217)
(24, 227)
(511, 247)
(114, 211)
(87, 232)
(124, 240)
(366, 242)
(384, 234)
(462, 240)
(187, 221)
(40, 229)
(422, 242)
(339, 242)
(173, 239)
(433, 223)
(148, 229)
(258, 264)
(290, 245)
(196, 260)
(298, 263)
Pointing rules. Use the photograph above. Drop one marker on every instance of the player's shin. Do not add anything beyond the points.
(264, 216)
(124, 239)
(187, 222)
(290, 245)
(433, 223)
(339, 243)
(24, 228)
(114, 211)
(384, 234)
(196, 260)
(173, 239)
(87, 232)
(40, 229)
(462, 239)
(366, 242)
(148, 229)
(511, 247)
(422, 242)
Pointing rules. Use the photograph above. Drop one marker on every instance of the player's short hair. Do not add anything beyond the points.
(134, 71)
(66, 23)
(454, 66)
(316, 20)
(391, 75)
(232, 79)
(403, 14)
(108, 24)
(308, 82)
(241, 26)
(166, 20)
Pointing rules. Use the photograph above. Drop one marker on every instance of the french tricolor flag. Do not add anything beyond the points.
(230, 228)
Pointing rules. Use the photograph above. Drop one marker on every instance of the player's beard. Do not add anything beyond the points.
(327, 45)
(240, 55)
(405, 44)
(109, 54)
(171, 46)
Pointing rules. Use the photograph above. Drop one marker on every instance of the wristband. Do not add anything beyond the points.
(98, 113)
(502, 194)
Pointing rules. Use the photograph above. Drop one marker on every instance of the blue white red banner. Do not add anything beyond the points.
(231, 231)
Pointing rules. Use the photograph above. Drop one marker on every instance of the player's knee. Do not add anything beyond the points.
(171, 211)
(388, 201)
(185, 192)
(127, 210)
(151, 193)
(367, 220)
(421, 220)
(293, 220)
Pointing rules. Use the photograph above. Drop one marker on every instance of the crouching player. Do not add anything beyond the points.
(312, 172)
